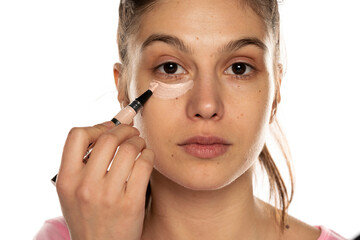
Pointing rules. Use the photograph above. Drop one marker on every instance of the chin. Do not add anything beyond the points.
(204, 186)
(205, 178)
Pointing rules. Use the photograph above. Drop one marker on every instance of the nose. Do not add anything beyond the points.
(205, 101)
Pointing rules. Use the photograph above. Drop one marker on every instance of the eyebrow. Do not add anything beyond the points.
(171, 40)
(237, 44)
(180, 45)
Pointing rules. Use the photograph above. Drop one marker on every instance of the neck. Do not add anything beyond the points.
(180, 213)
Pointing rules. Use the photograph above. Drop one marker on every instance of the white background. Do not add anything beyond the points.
(56, 61)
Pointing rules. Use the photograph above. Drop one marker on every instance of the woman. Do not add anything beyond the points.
(198, 149)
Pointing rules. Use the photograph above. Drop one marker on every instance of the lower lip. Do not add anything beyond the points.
(205, 151)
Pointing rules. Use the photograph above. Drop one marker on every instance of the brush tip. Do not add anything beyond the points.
(153, 85)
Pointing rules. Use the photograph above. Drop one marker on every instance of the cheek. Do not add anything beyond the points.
(251, 113)
(251, 103)
(157, 122)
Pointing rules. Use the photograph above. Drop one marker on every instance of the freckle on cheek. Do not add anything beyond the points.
(172, 155)
(259, 91)
(241, 115)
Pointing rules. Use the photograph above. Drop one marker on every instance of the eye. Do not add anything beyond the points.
(171, 68)
(239, 68)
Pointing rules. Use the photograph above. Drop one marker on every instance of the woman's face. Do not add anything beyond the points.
(213, 133)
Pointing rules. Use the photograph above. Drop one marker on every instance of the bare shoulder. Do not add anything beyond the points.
(295, 230)
(298, 230)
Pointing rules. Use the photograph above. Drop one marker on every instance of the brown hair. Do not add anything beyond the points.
(130, 12)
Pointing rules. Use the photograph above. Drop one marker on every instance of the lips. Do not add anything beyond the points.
(205, 147)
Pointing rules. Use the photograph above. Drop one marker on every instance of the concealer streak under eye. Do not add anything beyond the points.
(168, 91)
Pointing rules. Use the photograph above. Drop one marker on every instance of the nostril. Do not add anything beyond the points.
(199, 115)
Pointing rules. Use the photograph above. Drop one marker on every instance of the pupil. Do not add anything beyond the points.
(170, 67)
(239, 68)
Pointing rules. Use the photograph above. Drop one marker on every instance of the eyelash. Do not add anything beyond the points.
(175, 76)
(168, 75)
(242, 76)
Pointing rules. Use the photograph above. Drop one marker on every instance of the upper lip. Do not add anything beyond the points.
(204, 140)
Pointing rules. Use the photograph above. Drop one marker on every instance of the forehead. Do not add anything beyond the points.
(209, 21)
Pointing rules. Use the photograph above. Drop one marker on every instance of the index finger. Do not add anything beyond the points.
(76, 145)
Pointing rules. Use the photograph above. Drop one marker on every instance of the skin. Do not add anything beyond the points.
(188, 191)
(192, 198)
(243, 104)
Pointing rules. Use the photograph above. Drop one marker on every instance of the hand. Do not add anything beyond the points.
(98, 203)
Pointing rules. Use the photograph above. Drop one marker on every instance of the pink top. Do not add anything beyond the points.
(56, 229)
(327, 234)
